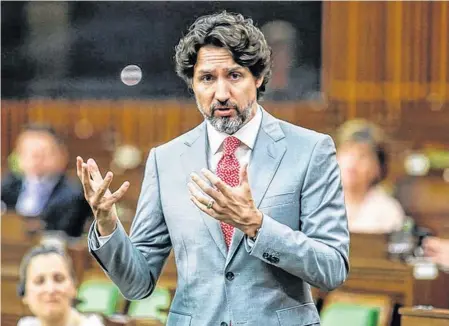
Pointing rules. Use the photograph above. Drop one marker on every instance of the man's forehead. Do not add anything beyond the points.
(31, 138)
(39, 135)
(209, 57)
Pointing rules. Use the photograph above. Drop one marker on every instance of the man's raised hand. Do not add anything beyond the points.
(98, 195)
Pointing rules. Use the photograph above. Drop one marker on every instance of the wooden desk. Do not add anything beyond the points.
(382, 276)
(421, 317)
(372, 272)
(16, 229)
(376, 272)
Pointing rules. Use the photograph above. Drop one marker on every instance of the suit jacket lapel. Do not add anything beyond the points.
(53, 198)
(265, 159)
(193, 159)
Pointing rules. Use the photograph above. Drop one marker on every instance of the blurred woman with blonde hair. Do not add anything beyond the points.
(363, 162)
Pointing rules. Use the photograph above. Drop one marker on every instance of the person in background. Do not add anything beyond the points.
(41, 189)
(292, 79)
(363, 162)
(47, 285)
(437, 250)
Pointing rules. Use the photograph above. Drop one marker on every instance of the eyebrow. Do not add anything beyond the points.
(209, 71)
(235, 68)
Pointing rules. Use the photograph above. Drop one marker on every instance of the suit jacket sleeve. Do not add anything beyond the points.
(11, 187)
(318, 253)
(134, 263)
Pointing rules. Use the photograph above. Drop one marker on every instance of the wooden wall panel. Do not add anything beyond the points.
(384, 61)
(388, 62)
(14, 117)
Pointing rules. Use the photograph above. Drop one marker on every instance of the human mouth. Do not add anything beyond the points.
(224, 112)
(52, 300)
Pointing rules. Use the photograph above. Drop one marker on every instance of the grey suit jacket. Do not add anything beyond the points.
(295, 181)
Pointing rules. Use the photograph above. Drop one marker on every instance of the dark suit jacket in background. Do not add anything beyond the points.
(66, 210)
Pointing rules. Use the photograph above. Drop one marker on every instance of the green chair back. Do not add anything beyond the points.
(349, 315)
(98, 297)
(155, 306)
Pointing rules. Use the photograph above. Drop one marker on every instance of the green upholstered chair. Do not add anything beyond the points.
(155, 306)
(98, 296)
(346, 314)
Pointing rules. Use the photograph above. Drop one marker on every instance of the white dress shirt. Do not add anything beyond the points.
(247, 136)
(35, 194)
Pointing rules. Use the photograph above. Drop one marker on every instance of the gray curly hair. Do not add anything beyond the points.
(232, 31)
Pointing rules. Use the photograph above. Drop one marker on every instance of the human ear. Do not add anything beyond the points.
(259, 81)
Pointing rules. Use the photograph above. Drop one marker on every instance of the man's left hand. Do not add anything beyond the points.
(232, 205)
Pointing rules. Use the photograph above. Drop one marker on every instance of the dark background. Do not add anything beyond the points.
(106, 36)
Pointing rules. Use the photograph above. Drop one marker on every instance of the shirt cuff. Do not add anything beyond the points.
(102, 240)
(250, 242)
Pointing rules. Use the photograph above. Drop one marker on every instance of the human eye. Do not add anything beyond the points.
(59, 278)
(206, 78)
(235, 75)
(39, 280)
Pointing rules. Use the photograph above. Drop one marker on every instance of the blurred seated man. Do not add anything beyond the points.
(47, 285)
(437, 250)
(41, 189)
(363, 162)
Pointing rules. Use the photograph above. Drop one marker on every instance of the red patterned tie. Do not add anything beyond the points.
(228, 170)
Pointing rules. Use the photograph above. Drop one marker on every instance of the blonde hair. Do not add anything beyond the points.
(364, 131)
(349, 130)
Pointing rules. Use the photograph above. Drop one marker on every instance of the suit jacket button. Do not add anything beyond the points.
(223, 324)
(265, 255)
(275, 260)
(230, 276)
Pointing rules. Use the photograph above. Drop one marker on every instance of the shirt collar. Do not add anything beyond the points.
(247, 134)
(49, 180)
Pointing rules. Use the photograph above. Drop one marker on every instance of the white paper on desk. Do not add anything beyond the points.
(425, 270)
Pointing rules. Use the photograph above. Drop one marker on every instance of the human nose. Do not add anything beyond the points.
(222, 93)
(50, 286)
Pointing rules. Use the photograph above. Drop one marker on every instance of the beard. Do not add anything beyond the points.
(228, 125)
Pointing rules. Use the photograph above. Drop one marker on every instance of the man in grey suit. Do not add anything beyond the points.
(252, 206)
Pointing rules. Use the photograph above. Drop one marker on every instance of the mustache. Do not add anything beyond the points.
(226, 105)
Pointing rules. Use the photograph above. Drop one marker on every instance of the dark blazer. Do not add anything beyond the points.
(66, 210)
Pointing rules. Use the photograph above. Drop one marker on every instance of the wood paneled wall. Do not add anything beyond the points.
(385, 61)
(140, 123)
(389, 62)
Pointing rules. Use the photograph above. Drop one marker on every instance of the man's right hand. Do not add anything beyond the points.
(98, 195)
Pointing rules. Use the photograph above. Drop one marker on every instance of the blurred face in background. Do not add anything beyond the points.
(39, 154)
(225, 92)
(49, 288)
(359, 166)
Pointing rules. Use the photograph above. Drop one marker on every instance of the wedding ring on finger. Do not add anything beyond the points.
(210, 203)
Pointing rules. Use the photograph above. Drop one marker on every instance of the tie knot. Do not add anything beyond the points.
(230, 144)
